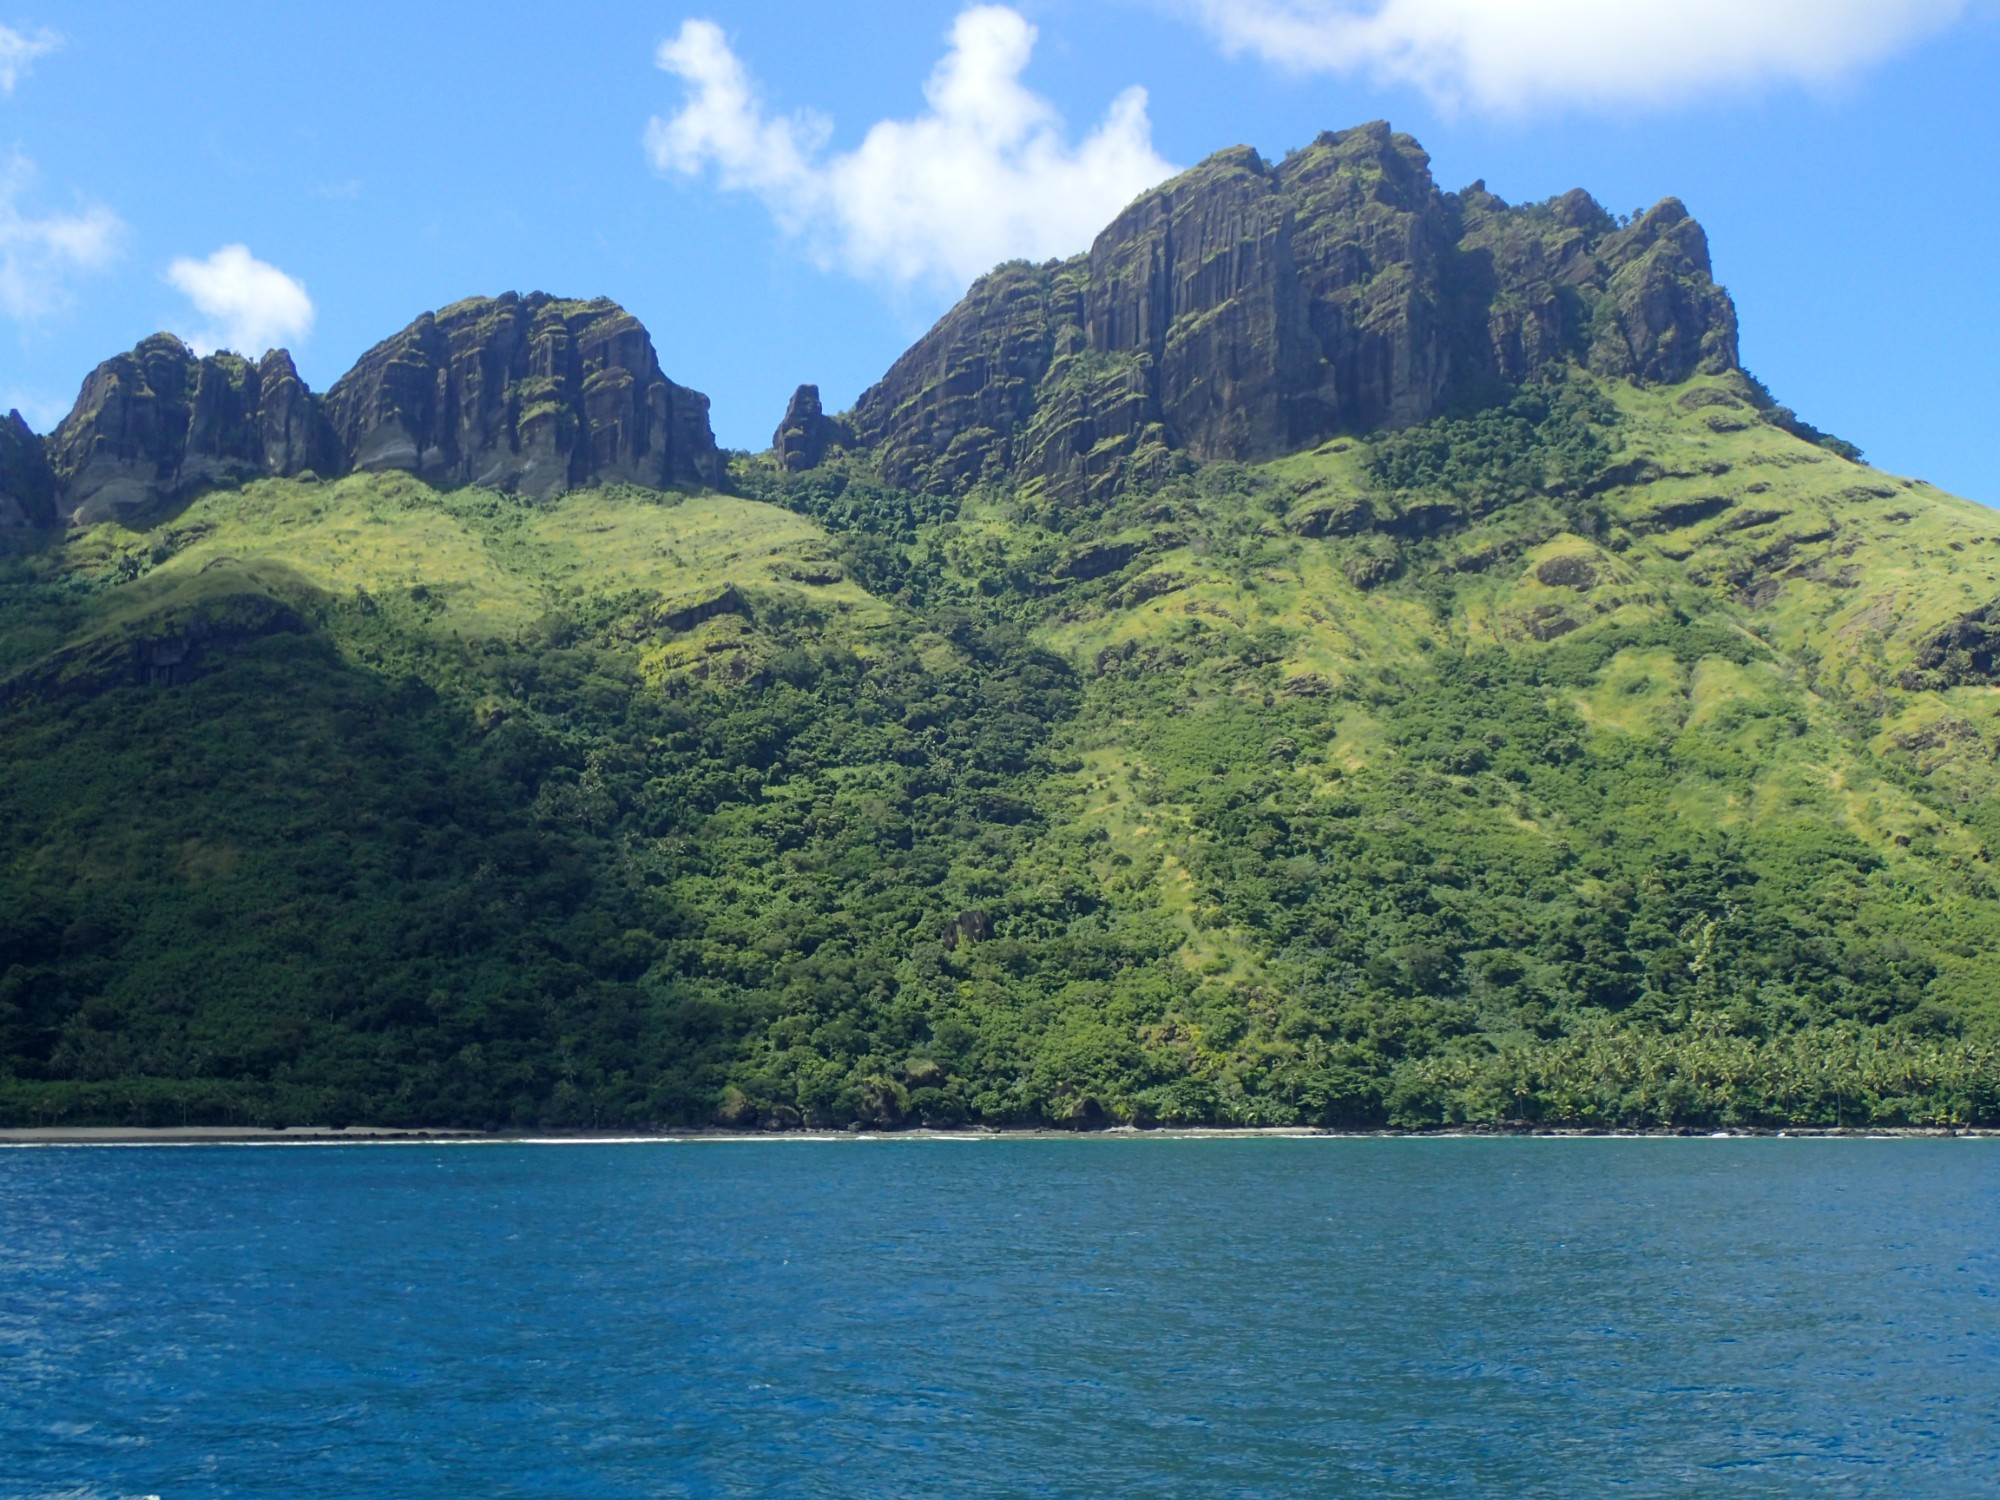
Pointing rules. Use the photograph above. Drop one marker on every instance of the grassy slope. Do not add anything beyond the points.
(1608, 806)
(1840, 576)
(482, 566)
(1852, 801)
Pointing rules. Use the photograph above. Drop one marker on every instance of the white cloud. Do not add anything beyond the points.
(18, 52)
(251, 306)
(986, 174)
(38, 256)
(1510, 55)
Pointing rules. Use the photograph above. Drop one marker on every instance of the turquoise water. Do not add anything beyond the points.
(1003, 1317)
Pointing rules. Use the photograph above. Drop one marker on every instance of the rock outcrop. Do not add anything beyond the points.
(807, 434)
(526, 394)
(1246, 309)
(158, 423)
(291, 426)
(1964, 652)
(1661, 317)
(27, 483)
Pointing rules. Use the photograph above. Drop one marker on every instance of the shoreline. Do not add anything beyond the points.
(370, 1135)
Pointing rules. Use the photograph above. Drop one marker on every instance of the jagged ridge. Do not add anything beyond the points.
(534, 395)
(1245, 309)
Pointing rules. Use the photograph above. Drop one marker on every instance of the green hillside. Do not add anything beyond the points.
(1612, 756)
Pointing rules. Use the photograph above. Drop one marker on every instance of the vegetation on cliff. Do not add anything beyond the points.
(1595, 744)
(1593, 759)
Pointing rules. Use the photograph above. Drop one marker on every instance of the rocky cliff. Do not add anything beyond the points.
(1245, 309)
(528, 394)
(27, 484)
(158, 423)
(807, 434)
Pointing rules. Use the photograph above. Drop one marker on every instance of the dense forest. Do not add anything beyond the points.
(1527, 766)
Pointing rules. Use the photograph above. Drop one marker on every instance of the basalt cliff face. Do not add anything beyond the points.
(1246, 309)
(807, 434)
(159, 423)
(27, 484)
(532, 395)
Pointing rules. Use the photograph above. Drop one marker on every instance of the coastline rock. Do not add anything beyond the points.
(532, 395)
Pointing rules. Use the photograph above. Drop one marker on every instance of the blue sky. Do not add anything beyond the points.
(376, 160)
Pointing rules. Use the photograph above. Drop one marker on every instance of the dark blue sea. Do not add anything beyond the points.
(1089, 1317)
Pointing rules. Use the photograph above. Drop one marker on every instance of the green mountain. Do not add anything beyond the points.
(1338, 653)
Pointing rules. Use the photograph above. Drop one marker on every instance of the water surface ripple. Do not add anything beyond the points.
(1003, 1317)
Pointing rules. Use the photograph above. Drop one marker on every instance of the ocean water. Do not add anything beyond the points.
(1088, 1317)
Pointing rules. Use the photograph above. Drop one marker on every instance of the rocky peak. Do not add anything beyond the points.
(1245, 309)
(1661, 316)
(27, 483)
(158, 423)
(807, 434)
(958, 404)
(290, 424)
(1665, 223)
(528, 394)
